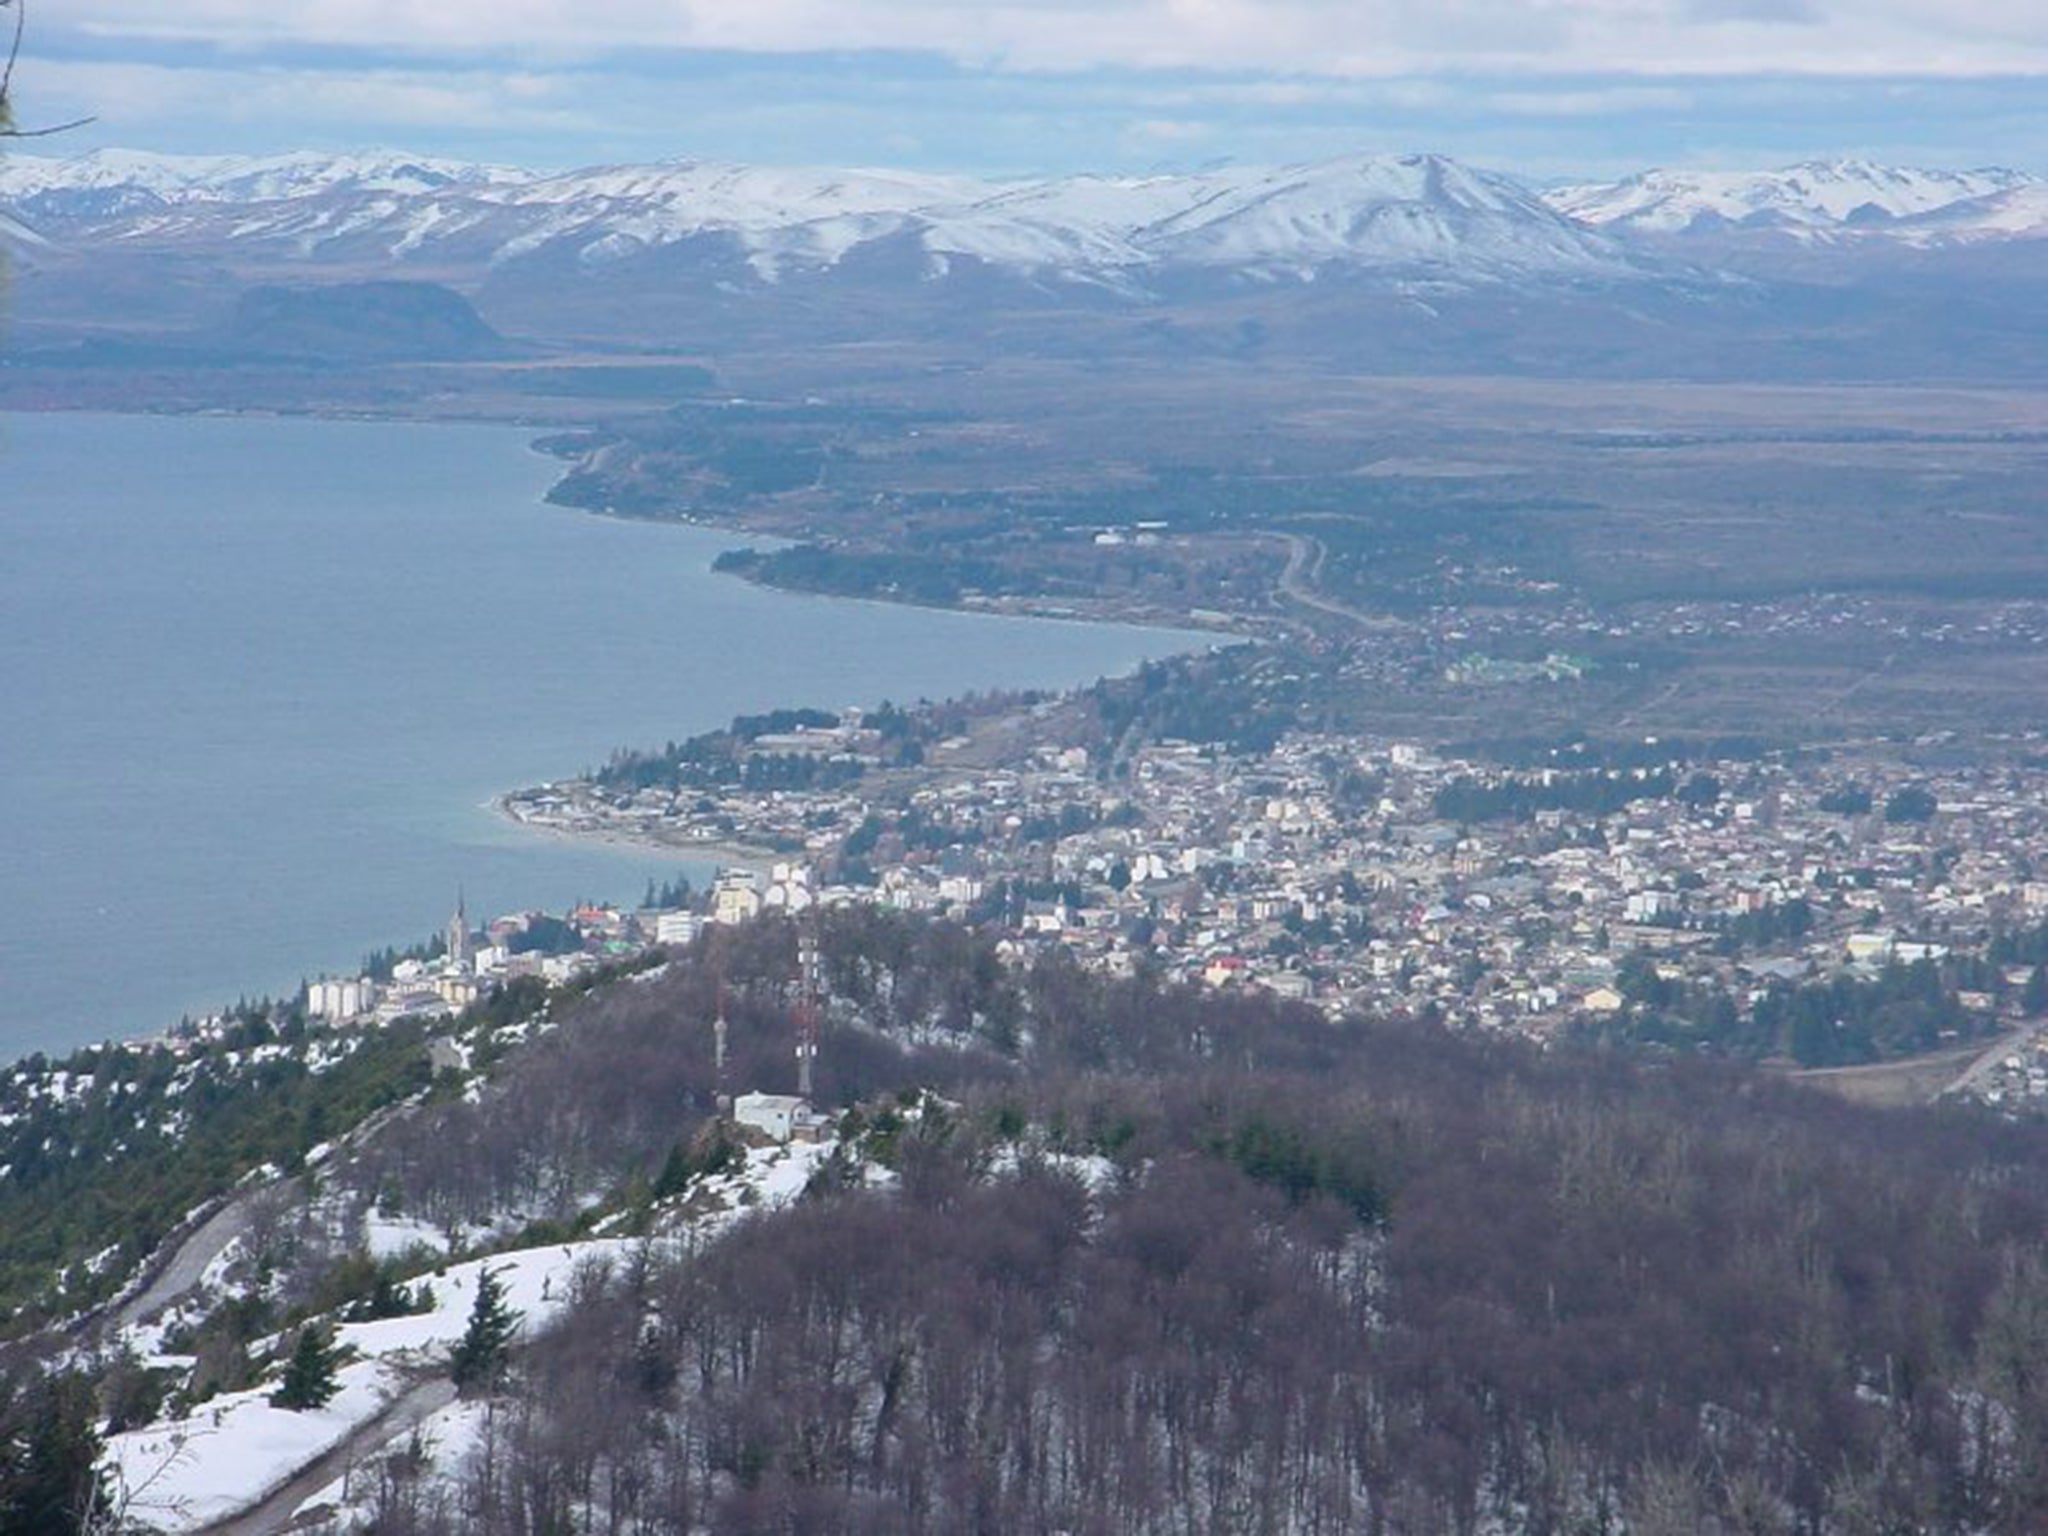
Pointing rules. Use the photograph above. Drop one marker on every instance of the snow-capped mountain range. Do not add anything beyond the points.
(1414, 213)
(1414, 217)
(1816, 200)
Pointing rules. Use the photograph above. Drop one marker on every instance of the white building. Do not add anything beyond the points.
(1648, 906)
(735, 896)
(348, 998)
(781, 1117)
(789, 888)
(676, 927)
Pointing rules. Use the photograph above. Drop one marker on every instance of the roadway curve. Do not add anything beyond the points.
(273, 1512)
(188, 1262)
(1304, 570)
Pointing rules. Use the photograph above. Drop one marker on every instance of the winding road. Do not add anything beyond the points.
(401, 1416)
(1298, 583)
(188, 1262)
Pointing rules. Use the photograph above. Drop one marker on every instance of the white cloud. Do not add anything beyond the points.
(1157, 136)
(1606, 101)
(138, 98)
(1357, 38)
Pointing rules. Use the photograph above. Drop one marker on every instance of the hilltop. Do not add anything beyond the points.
(1144, 1250)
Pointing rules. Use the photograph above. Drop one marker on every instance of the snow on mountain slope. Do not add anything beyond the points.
(1816, 197)
(175, 179)
(781, 216)
(1383, 212)
(226, 1456)
(2020, 213)
(303, 200)
(1407, 214)
(1387, 211)
(304, 175)
(163, 176)
(1097, 222)
(1410, 212)
(186, 1474)
(706, 195)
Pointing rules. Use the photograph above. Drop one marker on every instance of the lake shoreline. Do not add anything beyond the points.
(718, 853)
(439, 630)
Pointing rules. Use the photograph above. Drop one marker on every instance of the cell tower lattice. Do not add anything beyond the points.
(809, 992)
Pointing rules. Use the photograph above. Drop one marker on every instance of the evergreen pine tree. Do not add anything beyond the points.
(51, 1445)
(309, 1376)
(479, 1360)
(675, 1173)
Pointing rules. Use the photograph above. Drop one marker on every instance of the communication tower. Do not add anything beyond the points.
(808, 995)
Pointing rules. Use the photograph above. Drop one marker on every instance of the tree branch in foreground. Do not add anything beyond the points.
(7, 128)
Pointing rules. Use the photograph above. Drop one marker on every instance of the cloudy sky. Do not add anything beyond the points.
(1545, 87)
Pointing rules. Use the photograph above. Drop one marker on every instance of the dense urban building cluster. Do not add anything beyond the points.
(1825, 909)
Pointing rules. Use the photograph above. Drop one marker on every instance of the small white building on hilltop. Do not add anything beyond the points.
(781, 1117)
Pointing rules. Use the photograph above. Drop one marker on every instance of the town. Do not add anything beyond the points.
(1824, 910)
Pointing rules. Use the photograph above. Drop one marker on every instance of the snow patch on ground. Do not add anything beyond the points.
(445, 1438)
(1094, 1172)
(389, 1236)
(183, 1474)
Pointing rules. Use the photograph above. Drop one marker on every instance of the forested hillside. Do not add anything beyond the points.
(1083, 1254)
(1164, 1260)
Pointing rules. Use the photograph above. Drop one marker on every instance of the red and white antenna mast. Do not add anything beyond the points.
(808, 997)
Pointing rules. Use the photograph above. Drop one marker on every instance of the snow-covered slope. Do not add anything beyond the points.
(1412, 213)
(186, 1473)
(2019, 213)
(1406, 217)
(127, 196)
(1387, 211)
(1816, 198)
(174, 179)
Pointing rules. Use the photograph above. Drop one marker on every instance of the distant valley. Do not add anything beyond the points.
(1763, 446)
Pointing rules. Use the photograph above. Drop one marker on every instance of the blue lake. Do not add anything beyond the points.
(260, 678)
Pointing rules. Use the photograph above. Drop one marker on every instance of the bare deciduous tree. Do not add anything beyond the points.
(15, 34)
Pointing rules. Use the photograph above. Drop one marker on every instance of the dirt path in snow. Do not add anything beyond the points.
(401, 1416)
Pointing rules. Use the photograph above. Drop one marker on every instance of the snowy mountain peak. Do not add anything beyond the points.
(1815, 197)
(1421, 216)
(1422, 211)
(175, 179)
(1415, 213)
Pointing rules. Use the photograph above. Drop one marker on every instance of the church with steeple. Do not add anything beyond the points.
(461, 944)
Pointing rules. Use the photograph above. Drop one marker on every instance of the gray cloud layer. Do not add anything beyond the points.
(1358, 38)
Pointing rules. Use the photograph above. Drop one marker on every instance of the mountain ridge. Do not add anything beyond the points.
(1815, 200)
(1412, 215)
(1414, 212)
(1400, 261)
